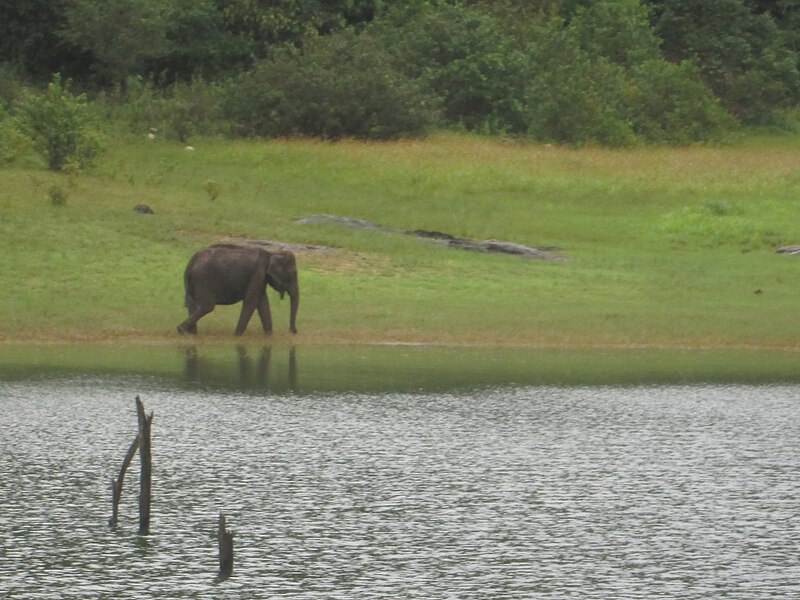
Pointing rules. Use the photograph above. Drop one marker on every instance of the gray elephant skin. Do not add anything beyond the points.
(230, 273)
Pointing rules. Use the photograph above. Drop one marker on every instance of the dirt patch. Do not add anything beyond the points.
(345, 262)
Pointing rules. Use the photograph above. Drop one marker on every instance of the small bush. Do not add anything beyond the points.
(341, 85)
(785, 119)
(10, 84)
(573, 97)
(137, 110)
(464, 60)
(618, 31)
(190, 109)
(740, 50)
(13, 143)
(716, 223)
(213, 189)
(60, 125)
(178, 111)
(670, 104)
(57, 195)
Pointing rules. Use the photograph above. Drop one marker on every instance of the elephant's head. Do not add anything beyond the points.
(282, 275)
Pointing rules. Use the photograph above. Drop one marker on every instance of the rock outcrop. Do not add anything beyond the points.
(441, 238)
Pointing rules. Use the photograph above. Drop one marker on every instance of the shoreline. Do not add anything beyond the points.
(211, 340)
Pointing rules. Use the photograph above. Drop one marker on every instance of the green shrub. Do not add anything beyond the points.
(573, 97)
(576, 94)
(61, 126)
(465, 60)
(212, 188)
(739, 49)
(670, 104)
(10, 84)
(177, 111)
(341, 85)
(191, 109)
(716, 223)
(137, 109)
(57, 194)
(619, 31)
(786, 119)
(13, 143)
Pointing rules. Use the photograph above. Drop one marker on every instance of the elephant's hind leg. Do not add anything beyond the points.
(187, 327)
(196, 312)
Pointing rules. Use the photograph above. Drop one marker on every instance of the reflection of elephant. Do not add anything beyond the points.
(227, 274)
(255, 373)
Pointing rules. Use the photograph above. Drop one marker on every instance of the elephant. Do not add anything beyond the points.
(231, 273)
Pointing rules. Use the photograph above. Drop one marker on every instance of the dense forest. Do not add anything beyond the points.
(614, 72)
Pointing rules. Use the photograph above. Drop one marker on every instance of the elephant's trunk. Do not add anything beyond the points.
(294, 298)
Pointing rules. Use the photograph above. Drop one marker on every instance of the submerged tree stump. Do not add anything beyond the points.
(147, 467)
(225, 539)
(116, 484)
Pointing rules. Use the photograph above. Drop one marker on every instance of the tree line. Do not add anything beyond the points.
(615, 72)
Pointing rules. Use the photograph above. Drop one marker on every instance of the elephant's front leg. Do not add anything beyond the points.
(248, 307)
(265, 314)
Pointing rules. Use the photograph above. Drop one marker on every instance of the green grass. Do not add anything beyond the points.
(665, 247)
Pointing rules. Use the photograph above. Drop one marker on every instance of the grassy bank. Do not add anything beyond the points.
(671, 247)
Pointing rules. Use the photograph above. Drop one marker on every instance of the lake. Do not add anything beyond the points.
(373, 472)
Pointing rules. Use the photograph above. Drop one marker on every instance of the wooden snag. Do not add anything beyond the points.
(147, 467)
(293, 369)
(116, 484)
(225, 539)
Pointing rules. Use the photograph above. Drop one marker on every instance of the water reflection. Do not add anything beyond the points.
(252, 370)
(273, 368)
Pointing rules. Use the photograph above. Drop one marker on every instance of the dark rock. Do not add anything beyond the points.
(436, 235)
(513, 248)
(441, 238)
(346, 221)
(273, 245)
(143, 209)
(497, 246)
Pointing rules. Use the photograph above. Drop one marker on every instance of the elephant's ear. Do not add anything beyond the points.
(264, 264)
(274, 266)
(274, 262)
(280, 264)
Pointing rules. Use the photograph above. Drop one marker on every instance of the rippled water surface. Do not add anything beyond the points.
(522, 492)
